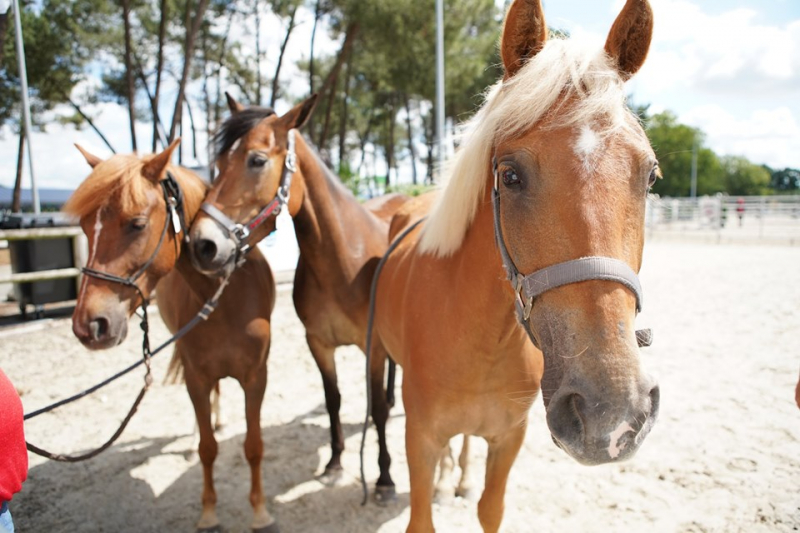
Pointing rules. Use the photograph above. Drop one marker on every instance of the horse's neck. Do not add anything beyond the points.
(331, 225)
(481, 282)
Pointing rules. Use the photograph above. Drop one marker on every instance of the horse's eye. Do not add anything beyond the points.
(258, 162)
(510, 177)
(138, 224)
(654, 175)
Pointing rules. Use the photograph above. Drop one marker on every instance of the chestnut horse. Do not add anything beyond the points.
(133, 233)
(264, 161)
(551, 179)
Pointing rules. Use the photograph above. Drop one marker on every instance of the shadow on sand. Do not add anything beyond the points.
(107, 493)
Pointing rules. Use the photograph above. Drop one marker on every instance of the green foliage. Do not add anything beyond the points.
(786, 180)
(60, 37)
(674, 143)
(411, 190)
(743, 178)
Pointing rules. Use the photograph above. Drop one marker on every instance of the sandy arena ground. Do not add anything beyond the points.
(723, 457)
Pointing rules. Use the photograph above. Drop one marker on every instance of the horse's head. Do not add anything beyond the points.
(258, 175)
(123, 212)
(571, 182)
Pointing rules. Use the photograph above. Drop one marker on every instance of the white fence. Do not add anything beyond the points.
(720, 218)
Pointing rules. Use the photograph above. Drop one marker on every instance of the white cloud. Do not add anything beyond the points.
(766, 136)
(727, 53)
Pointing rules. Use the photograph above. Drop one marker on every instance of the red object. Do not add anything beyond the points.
(13, 452)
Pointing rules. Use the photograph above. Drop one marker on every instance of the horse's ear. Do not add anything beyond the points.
(630, 36)
(92, 159)
(524, 34)
(155, 168)
(233, 105)
(299, 114)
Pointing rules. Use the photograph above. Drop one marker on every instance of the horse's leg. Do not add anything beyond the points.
(422, 451)
(502, 453)
(216, 409)
(254, 450)
(323, 355)
(466, 485)
(199, 392)
(444, 486)
(384, 488)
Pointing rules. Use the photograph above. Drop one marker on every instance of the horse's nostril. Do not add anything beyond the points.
(206, 250)
(655, 398)
(98, 328)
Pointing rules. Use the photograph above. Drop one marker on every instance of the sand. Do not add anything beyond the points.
(724, 455)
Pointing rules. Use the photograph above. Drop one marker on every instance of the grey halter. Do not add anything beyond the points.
(528, 288)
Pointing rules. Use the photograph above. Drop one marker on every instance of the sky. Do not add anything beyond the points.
(728, 67)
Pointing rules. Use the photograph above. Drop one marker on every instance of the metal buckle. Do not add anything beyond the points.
(524, 307)
(240, 232)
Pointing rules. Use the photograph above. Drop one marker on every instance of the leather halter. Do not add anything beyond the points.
(173, 197)
(239, 233)
(528, 288)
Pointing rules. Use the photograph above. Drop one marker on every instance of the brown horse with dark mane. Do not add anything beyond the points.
(547, 191)
(127, 208)
(264, 165)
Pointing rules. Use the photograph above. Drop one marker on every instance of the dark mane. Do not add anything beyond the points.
(237, 126)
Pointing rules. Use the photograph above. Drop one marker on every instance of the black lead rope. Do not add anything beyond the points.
(370, 320)
(173, 195)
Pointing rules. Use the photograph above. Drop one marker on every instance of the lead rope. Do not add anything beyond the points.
(370, 320)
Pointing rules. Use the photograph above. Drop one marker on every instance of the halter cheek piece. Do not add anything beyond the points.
(528, 288)
(239, 233)
(173, 198)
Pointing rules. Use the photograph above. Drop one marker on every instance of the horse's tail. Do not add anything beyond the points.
(174, 370)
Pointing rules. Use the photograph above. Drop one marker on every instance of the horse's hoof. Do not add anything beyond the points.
(331, 476)
(471, 494)
(212, 529)
(272, 528)
(384, 494)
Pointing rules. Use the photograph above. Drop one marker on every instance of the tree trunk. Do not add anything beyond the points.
(347, 46)
(329, 87)
(411, 149)
(363, 139)
(158, 127)
(429, 141)
(126, 15)
(343, 117)
(16, 199)
(91, 124)
(323, 136)
(3, 31)
(194, 129)
(162, 34)
(257, 16)
(191, 37)
(275, 85)
(311, 56)
(390, 145)
(220, 61)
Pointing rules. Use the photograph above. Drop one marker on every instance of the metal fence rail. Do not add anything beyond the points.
(766, 219)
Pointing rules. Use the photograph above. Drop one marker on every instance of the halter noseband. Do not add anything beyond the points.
(239, 233)
(173, 198)
(528, 288)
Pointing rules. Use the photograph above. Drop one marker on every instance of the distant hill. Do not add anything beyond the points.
(51, 199)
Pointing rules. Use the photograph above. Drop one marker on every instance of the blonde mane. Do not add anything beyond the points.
(565, 70)
(119, 180)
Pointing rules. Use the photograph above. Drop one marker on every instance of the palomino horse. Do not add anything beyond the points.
(551, 179)
(264, 161)
(127, 207)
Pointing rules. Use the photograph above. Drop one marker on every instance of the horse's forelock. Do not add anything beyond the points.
(237, 126)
